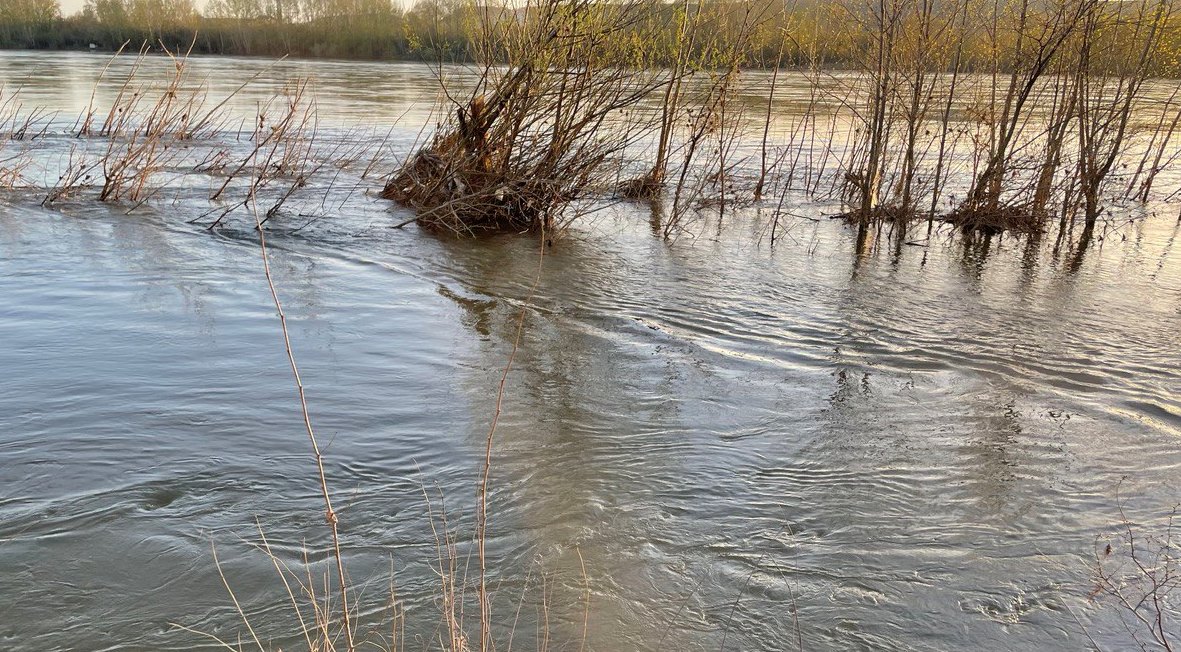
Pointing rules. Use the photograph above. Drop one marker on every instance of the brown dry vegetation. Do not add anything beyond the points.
(1034, 134)
(536, 136)
(997, 115)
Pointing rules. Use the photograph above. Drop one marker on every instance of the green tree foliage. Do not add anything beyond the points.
(827, 33)
(28, 22)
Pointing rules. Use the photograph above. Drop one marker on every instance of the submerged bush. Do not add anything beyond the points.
(540, 135)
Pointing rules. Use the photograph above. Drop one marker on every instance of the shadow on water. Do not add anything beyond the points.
(864, 245)
(1079, 252)
(575, 410)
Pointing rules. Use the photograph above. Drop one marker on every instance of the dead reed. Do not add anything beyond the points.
(17, 129)
(330, 516)
(282, 153)
(1136, 571)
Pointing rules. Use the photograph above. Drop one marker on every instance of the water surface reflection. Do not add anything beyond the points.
(909, 442)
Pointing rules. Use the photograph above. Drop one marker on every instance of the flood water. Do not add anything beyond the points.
(745, 447)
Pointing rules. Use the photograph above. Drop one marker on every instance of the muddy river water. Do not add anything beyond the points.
(727, 445)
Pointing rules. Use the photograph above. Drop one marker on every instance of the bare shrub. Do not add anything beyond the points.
(539, 134)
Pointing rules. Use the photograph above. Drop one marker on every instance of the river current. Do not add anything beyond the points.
(726, 445)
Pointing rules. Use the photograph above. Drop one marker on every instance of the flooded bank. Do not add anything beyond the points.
(899, 448)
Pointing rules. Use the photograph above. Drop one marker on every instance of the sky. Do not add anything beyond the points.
(74, 6)
(71, 6)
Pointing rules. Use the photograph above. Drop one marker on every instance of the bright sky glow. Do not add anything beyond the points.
(75, 6)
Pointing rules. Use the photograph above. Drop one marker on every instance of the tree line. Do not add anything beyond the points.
(786, 32)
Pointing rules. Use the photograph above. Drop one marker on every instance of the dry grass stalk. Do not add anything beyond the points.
(17, 128)
(142, 135)
(330, 515)
(282, 148)
(1138, 573)
(142, 131)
